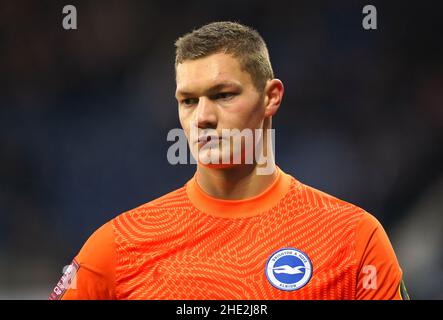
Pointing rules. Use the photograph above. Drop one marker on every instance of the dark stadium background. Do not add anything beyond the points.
(84, 116)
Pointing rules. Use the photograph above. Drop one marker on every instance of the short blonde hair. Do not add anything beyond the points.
(242, 42)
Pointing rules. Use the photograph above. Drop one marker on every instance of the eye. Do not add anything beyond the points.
(189, 101)
(224, 95)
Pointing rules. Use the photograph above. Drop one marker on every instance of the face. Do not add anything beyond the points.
(214, 94)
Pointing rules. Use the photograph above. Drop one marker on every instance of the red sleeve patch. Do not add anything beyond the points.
(66, 281)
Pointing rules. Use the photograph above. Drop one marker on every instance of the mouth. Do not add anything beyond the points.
(211, 139)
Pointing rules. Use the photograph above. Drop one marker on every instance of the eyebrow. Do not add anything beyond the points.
(215, 88)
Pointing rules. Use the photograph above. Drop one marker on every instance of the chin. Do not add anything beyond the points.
(219, 162)
(218, 165)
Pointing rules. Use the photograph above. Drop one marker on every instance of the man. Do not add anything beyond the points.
(238, 229)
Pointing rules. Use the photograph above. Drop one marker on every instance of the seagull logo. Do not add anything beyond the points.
(288, 269)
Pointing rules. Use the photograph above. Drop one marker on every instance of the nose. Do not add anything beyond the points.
(206, 115)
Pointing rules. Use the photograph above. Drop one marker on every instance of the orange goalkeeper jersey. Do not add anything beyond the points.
(289, 242)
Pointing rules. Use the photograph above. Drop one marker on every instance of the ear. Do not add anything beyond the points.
(274, 90)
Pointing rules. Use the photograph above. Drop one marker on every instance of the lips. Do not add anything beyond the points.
(208, 139)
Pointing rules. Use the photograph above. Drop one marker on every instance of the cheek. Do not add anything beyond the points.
(186, 122)
(245, 115)
(184, 119)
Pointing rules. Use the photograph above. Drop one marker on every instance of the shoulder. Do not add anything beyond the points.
(369, 225)
(170, 199)
(99, 249)
(153, 219)
(165, 204)
(366, 227)
(348, 221)
(378, 271)
(366, 223)
(327, 205)
(372, 241)
(102, 241)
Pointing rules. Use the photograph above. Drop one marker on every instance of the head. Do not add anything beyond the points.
(224, 81)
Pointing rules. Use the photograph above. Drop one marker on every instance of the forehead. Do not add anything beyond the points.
(200, 74)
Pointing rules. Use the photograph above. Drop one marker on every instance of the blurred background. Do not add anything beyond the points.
(84, 116)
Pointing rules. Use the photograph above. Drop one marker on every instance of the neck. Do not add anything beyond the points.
(234, 183)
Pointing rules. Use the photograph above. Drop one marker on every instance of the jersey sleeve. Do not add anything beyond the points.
(91, 276)
(379, 276)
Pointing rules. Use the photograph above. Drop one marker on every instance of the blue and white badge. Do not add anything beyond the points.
(288, 269)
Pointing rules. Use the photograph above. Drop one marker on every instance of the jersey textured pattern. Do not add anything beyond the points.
(188, 245)
(170, 250)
